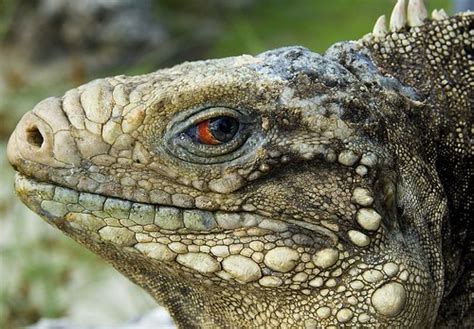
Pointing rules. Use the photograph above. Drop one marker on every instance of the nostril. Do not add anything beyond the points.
(34, 137)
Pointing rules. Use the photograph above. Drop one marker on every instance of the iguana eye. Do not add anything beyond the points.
(213, 135)
(214, 131)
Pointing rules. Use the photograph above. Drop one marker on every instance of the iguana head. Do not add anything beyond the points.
(277, 189)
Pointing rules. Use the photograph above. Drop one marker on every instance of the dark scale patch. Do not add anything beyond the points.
(307, 86)
(357, 111)
(314, 77)
(469, 51)
(294, 54)
(462, 28)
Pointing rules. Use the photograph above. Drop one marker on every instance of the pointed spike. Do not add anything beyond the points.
(439, 15)
(380, 27)
(398, 19)
(416, 12)
(443, 14)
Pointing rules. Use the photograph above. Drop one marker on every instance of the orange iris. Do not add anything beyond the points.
(204, 135)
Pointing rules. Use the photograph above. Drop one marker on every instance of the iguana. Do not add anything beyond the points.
(287, 189)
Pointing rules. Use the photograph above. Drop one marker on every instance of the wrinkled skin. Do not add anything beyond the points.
(341, 200)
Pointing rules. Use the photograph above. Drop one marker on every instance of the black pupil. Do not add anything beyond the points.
(223, 128)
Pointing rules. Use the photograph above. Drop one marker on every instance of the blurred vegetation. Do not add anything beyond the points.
(37, 264)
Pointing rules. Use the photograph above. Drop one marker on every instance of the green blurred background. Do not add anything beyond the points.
(49, 46)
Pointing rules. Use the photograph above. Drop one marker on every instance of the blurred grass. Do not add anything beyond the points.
(312, 24)
(37, 263)
(6, 9)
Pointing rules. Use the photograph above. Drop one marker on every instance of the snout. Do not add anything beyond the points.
(42, 137)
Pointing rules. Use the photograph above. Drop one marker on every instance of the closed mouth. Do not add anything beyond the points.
(59, 204)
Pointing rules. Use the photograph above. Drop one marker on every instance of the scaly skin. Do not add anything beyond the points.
(342, 199)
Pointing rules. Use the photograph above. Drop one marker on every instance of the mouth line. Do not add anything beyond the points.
(61, 205)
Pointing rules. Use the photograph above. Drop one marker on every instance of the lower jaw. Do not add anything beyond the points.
(133, 228)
